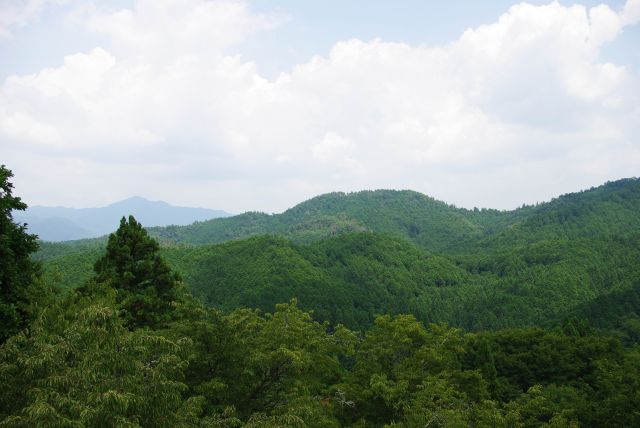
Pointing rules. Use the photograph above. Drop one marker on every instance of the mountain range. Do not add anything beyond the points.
(613, 208)
(351, 256)
(64, 224)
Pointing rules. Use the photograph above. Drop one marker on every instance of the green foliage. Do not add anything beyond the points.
(130, 347)
(604, 211)
(575, 256)
(523, 358)
(18, 273)
(145, 285)
(79, 366)
(346, 279)
(429, 223)
(352, 277)
(616, 312)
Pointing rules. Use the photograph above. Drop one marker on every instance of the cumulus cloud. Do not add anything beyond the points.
(167, 30)
(512, 111)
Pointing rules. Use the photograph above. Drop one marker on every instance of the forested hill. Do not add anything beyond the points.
(477, 269)
(351, 278)
(550, 313)
(610, 209)
(432, 224)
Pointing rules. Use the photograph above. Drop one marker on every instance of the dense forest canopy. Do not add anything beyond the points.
(534, 266)
(433, 225)
(381, 309)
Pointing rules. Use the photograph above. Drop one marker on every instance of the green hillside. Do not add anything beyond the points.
(612, 209)
(547, 298)
(432, 224)
(353, 277)
(606, 210)
(489, 269)
(347, 279)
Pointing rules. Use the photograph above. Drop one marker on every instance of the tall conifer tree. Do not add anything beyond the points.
(146, 286)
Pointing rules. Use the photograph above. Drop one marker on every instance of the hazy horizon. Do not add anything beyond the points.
(125, 199)
(230, 213)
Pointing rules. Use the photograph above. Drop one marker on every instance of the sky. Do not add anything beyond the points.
(259, 105)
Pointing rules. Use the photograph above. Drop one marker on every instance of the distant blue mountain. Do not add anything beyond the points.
(64, 224)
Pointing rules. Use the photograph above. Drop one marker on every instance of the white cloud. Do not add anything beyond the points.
(18, 127)
(165, 30)
(80, 78)
(631, 13)
(524, 106)
(19, 13)
(332, 147)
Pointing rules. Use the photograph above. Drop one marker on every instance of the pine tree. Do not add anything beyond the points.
(18, 273)
(146, 286)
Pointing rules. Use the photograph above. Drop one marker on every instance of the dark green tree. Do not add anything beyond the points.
(18, 274)
(146, 286)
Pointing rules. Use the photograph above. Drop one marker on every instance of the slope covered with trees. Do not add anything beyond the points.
(347, 279)
(528, 267)
(431, 224)
(610, 209)
(80, 365)
(353, 277)
(131, 347)
(605, 211)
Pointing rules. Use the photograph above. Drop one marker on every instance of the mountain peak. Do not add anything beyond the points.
(59, 224)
